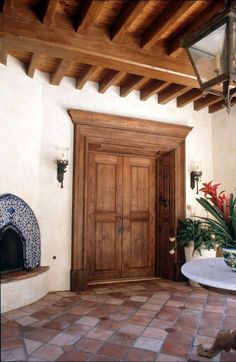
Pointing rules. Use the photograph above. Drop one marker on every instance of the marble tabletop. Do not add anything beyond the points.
(212, 272)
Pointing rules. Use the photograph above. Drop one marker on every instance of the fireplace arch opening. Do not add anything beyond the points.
(12, 249)
(23, 236)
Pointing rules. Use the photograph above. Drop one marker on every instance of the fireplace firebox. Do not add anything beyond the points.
(11, 250)
(19, 235)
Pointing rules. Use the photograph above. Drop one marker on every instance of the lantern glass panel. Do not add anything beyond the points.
(233, 52)
(208, 54)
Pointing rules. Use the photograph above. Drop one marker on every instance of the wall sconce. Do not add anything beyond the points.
(195, 177)
(61, 168)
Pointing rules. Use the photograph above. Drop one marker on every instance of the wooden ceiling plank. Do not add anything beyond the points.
(188, 97)
(95, 50)
(57, 76)
(132, 83)
(174, 47)
(171, 92)
(3, 52)
(110, 78)
(7, 7)
(33, 65)
(50, 12)
(152, 88)
(87, 73)
(127, 16)
(89, 14)
(156, 30)
(206, 101)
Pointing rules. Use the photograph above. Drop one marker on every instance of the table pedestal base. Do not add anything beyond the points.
(225, 341)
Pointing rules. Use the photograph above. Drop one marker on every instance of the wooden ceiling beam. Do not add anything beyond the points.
(50, 12)
(174, 47)
(99, 50)
(33, 64)
(110, 78)
(206, 101)
(57, 76)
(126, 17)
(151, 88)
(132, 83)
(88, 15)
(167, 18)
(188, 97)
(216, 106)
(86, 74)
(219, 106)
(171, 92)
(3, 52)
(7, 7)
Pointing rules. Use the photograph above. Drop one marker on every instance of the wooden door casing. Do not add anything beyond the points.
(144, 135)
(139, 244)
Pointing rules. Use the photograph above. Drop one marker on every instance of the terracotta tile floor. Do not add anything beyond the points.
(158, 320)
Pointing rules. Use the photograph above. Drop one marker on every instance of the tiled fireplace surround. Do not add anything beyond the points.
(19, 288)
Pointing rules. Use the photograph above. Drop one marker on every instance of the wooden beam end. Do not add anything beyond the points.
(3, 60)
(101, 89)
(54, 80)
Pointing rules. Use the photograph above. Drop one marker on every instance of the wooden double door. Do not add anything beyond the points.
(121, 207)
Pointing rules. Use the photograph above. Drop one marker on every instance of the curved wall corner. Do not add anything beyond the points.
(19, 293)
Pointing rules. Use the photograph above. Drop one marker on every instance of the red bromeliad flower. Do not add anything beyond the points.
(221, 200)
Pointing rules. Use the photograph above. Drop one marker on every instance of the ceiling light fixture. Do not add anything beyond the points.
(212, 52)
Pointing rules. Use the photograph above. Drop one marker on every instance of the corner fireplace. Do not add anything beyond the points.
(19, 235)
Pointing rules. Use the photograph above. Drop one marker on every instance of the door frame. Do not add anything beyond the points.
(105, 129)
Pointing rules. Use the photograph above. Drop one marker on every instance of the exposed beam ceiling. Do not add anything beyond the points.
(135, 45)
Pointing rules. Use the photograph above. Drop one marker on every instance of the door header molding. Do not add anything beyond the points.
(105, 120)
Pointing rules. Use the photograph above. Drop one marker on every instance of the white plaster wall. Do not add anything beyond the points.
(34, 126)
(224, 149)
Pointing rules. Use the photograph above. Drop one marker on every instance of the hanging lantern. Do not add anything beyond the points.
(212, 52)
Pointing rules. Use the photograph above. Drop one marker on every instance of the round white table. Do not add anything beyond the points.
(212, 272)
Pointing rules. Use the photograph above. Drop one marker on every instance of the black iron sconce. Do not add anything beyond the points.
(61, 168)
(195, 177)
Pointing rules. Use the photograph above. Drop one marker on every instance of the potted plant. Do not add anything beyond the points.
(196, 237)
(222, 208)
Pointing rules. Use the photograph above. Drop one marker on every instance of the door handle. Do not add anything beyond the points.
(120, 230)
(126, 217)
(164, 202)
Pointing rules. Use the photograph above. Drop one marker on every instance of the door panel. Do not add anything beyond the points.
(166, 215)
(138, 250)
(105, 246)
(138, 216)
(104, 195)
